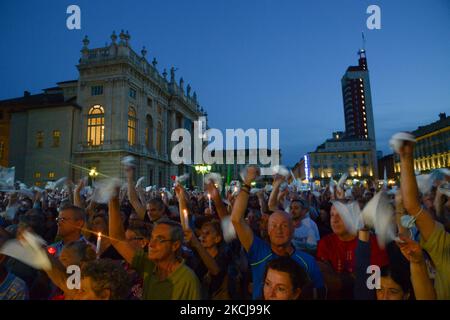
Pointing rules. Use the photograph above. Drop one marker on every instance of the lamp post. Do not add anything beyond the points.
(203, 169)
(93, 174)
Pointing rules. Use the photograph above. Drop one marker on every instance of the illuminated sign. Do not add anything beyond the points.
(306, 167)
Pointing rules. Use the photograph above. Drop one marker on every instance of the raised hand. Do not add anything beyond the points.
(252, 172)
(411, 250)
(406, 149)
(212, 190)
(278, 180)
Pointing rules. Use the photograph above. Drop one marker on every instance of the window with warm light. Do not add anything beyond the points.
(56, 138)
(131, 126)
(39, 139)
(51, 175)
(96, 125)
(37, 175)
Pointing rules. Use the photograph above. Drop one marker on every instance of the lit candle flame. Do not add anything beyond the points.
(99, 241)
(185, 215)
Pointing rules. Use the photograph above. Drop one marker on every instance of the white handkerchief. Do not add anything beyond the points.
(397, 140)
(229, 233)
(350, 214)
(28, 251)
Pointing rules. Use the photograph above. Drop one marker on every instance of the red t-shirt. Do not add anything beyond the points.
(341, 254)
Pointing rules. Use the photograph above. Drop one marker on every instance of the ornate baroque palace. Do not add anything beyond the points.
(120, 105)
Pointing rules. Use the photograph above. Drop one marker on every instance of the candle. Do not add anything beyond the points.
(235, 189)
(209, 201)
(186, 221)
(99, 241)
(162, 195)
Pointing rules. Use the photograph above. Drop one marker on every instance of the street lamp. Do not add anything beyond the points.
(203, 169)
(93, 174)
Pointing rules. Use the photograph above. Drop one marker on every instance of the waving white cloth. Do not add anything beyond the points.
(105, 189)
(229, 233)
(29, 251)
(215, 178)
(350, 214)
(379, 214)
(397, 140)
(341, 182)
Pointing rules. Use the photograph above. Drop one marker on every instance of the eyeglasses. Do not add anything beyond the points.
(159, 240)
(61, 219)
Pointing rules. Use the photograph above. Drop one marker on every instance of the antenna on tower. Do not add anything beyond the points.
(363, 42)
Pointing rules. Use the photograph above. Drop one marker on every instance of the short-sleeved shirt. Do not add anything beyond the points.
(438, 247)
(260, 253)
(181, 284)
(306, 235)
(13, 288)
(60, 245)
(341, 254)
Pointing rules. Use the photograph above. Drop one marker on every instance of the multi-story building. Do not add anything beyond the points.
(352, 151)
(357, 99)
(386, 164)
(120, 105)
(432, 150)
(341, 155)
(231, 170)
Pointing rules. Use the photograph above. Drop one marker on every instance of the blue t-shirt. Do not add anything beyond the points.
(260, 254)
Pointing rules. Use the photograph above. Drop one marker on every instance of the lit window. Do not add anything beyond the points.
(39, 139)
(131, 126)
(37, 175)
(51, 175)
(96, 125)
(56, 138)
(38, 183)
(96, 90)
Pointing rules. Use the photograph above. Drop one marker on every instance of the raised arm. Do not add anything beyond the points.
(241, 227)
(207, 259)
(77, 199)
(273, 199)
(422, 284)
(117, 232)
(132, 194)
(262, 202)
(182, 205)
(410, 192)
(215, 196)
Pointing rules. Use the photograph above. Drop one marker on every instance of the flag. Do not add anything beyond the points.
(7, 178)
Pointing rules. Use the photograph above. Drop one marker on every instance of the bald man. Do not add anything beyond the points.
(280, 231)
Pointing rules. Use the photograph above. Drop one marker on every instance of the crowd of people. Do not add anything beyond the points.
(277, 243)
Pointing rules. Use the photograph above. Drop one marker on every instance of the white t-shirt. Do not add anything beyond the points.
(306, 235)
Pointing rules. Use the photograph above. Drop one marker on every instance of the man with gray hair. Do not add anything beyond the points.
(166, 276)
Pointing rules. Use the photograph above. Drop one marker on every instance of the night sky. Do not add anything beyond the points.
(254, 63)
